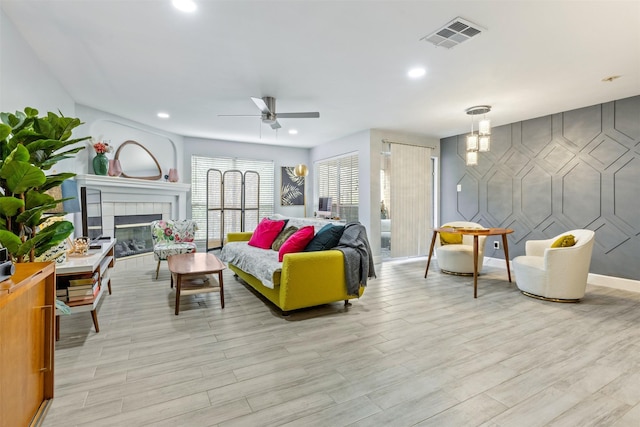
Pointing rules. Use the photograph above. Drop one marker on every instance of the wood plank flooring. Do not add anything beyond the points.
(411, 351)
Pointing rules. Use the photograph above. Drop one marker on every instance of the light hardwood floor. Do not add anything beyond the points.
(411, 351)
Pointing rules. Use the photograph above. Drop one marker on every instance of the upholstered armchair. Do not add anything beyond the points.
(172, 237)
(555, 273)
(457, 258)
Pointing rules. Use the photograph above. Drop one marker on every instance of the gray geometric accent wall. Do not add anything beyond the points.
(545, 176)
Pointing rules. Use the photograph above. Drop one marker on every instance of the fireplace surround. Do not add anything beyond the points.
(133, 197)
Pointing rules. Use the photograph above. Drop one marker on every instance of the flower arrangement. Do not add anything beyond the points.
(102, 147)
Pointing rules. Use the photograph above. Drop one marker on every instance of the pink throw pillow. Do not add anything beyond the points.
(266, 233)
(297, 242)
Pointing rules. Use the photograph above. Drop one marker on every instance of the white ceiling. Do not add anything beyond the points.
(346, 59)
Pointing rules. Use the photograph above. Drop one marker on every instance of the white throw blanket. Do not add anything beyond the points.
(260, 263)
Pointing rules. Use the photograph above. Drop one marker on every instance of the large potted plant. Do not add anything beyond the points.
(29, 146)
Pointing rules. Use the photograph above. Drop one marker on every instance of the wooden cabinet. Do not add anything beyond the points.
(27, 305)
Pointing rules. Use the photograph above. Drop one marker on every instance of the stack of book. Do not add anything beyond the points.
(79, 290)
(61, 294)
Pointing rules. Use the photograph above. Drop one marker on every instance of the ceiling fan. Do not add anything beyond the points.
(267, 106)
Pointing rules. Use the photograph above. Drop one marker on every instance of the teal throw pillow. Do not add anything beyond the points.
(327, 238)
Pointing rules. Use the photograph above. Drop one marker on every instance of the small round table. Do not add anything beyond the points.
(475, 232)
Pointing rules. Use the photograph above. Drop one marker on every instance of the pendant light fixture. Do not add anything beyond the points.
(481, 140)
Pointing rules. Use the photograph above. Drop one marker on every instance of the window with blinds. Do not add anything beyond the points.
(338, 178)
(199, 167)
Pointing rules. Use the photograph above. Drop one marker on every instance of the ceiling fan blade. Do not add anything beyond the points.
(275, 125)
(309, 115)
(262, 106)
(239, 115)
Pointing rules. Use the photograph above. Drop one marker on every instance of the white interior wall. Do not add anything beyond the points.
(24, 80)
(166, 147)
(23, 77)
(281, 156)
(361, 143)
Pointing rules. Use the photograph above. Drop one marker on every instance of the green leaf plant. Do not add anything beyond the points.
(29, 146)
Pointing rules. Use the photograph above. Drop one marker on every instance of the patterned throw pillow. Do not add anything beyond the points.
(57, 253)
(266, 233)
(283, 236)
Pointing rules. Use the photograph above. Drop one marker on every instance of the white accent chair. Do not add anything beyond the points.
(555, 274)
(458, 258)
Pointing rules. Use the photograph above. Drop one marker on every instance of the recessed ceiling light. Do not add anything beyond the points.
(416, 73)
(163, 115)
(293, 132)
(185, 5)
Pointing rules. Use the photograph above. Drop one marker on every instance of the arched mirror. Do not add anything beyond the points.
(137, 162)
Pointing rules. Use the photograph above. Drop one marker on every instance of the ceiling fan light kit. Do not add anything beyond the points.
(267, 107)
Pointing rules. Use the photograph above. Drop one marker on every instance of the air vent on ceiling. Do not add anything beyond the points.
(452, 34)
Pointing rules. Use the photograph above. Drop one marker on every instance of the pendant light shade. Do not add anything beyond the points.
(484, 127)
(301, 170)
(484, 143)
(472, 142)
(472, 158)
(480, 141)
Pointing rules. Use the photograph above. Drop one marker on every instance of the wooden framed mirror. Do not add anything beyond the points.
(137, 162)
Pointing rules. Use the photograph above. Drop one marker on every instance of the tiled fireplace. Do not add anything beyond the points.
(132, 234)
(123, 197)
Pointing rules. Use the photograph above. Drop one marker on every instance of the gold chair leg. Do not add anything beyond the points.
(157, 269)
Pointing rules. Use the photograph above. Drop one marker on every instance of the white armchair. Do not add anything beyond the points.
(555, 274)
(458, 258)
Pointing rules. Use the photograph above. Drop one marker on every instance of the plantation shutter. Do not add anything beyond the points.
(338, 178)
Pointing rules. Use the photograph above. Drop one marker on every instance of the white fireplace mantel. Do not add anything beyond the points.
(119, 189)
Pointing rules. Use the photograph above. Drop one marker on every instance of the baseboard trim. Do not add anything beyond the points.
(593, 279)
(614, 282)
(496, 262)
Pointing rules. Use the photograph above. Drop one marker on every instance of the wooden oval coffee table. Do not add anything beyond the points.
(193, 274)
